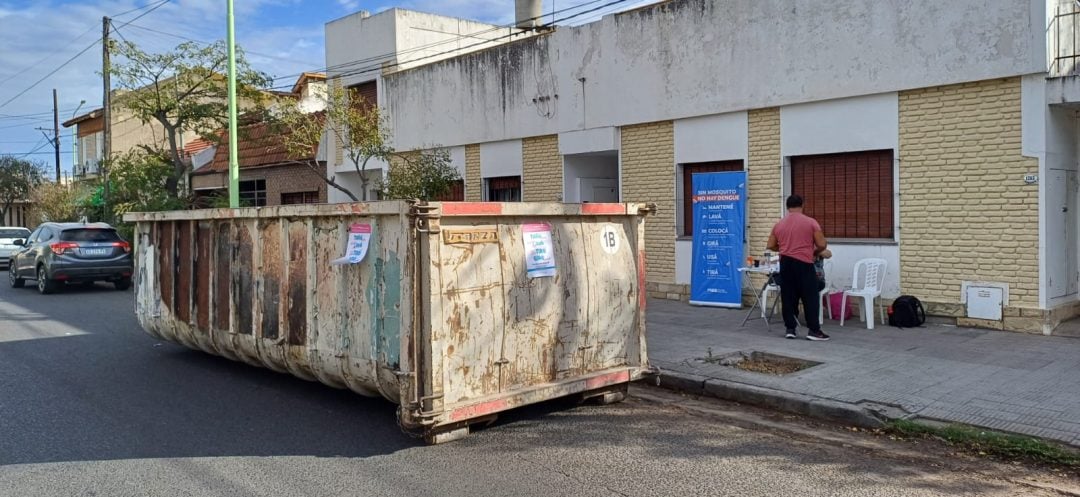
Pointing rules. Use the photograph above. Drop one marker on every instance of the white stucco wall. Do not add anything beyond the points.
(589, 140)
(457, 159)
(703, 139)
(711, 138)
(498, 159)
(699, 57)
(1050, 133)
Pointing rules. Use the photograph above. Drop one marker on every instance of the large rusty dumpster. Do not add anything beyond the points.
(443, 315)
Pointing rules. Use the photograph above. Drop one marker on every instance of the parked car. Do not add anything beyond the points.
(8, 235)
(58, 253)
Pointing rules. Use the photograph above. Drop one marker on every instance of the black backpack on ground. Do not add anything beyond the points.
(906, 312)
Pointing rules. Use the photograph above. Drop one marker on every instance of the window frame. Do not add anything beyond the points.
(255, 193)
(304, 196)
(489, 189)
(860, 168)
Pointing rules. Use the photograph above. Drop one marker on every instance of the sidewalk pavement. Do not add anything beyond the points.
(1011, 382)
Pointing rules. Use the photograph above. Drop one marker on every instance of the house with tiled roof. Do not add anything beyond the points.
(268, 174)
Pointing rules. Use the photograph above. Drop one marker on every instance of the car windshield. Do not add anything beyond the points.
(16, 233)
(90, 235)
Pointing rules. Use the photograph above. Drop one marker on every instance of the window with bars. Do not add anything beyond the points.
(504, 189)
(849, 194)
(253, 193)
(686, 202)
(456, 193)
(300, 198)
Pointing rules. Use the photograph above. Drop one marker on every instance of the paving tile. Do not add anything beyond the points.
(1008, 381)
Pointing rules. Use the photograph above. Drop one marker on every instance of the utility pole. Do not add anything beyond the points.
(234, 165)
(56, 134)
(106, 109)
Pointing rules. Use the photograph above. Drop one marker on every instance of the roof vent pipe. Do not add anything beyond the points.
(528, 13)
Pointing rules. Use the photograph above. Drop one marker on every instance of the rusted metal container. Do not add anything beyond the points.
(441, 316)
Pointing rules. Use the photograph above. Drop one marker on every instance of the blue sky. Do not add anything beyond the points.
(282, 37)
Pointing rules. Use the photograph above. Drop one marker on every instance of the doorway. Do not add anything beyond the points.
(591, 177)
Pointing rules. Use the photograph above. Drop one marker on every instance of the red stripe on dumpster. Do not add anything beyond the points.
(599, 209)
(474, 411)
(607, 379)
(471, 208)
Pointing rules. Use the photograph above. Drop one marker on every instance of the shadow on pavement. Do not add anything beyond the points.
(109, 391)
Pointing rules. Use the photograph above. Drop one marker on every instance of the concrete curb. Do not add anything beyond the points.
(806, 405)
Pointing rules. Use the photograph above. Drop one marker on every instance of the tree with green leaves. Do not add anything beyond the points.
(423, 175)
(184, 91)
(360, 130)
(18, 179)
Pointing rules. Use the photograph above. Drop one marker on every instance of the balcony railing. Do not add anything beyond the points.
(1063, 39)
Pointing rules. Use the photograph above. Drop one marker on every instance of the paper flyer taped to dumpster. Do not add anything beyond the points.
(356, 249)
(539, 254)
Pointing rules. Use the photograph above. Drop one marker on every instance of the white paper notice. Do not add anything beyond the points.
(359, 239)
(539, 254)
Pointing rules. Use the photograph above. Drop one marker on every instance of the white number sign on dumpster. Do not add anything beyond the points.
(442, 317)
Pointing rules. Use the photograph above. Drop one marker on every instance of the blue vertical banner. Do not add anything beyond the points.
(719, 203)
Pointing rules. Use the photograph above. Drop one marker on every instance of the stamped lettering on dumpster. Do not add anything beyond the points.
(474, 235)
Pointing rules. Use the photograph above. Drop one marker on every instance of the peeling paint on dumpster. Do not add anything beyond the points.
(449, 327)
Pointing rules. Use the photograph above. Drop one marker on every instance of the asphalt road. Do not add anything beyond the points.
(91, 406)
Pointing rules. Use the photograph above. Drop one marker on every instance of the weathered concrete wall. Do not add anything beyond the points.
(698, 57)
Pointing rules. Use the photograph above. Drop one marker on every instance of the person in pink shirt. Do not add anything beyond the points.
(799, 240)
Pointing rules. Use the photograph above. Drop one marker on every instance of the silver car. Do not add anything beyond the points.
(8, 235)
(59, 253)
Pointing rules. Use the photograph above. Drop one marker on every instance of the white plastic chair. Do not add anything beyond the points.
(868, 287)
(773, 289)
(823, 295)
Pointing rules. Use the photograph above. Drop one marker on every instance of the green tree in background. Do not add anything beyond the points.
(18, 179)
(421, 175)
(184, 91)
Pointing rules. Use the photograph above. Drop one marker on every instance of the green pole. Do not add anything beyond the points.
(234, 163)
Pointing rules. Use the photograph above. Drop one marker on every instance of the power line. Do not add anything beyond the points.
(65, 47)
(54, 71)
(204, 42)
(65, 63)
(381, 66)
(356, 62)
(144, 14)
(47, 57)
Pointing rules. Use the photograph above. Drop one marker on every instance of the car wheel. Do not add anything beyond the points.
(16, 282)
(45, 286)
(122, 284)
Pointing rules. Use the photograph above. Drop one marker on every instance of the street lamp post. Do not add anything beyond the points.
(234, 165)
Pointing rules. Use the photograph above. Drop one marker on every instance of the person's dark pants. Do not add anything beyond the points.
(798, 281)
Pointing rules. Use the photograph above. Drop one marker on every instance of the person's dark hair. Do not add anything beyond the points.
(794, 202)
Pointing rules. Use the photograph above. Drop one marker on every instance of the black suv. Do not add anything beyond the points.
(58, 253)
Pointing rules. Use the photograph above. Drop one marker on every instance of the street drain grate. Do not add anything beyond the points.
(762, 362)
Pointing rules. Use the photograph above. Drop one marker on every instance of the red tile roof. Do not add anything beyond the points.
(195, 146)
(259, 146)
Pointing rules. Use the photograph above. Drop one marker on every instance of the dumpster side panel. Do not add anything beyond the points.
(203, 263)
(467, 338)
(501, 339)
(330, 334)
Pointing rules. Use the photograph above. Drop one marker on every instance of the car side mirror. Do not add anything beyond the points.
(20, 242)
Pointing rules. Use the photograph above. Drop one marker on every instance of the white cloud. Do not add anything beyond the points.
(349, 5)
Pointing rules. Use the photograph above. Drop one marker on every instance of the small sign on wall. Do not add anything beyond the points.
(1031, 179)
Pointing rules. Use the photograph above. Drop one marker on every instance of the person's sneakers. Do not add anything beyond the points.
(790, 334)
(817, 336)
